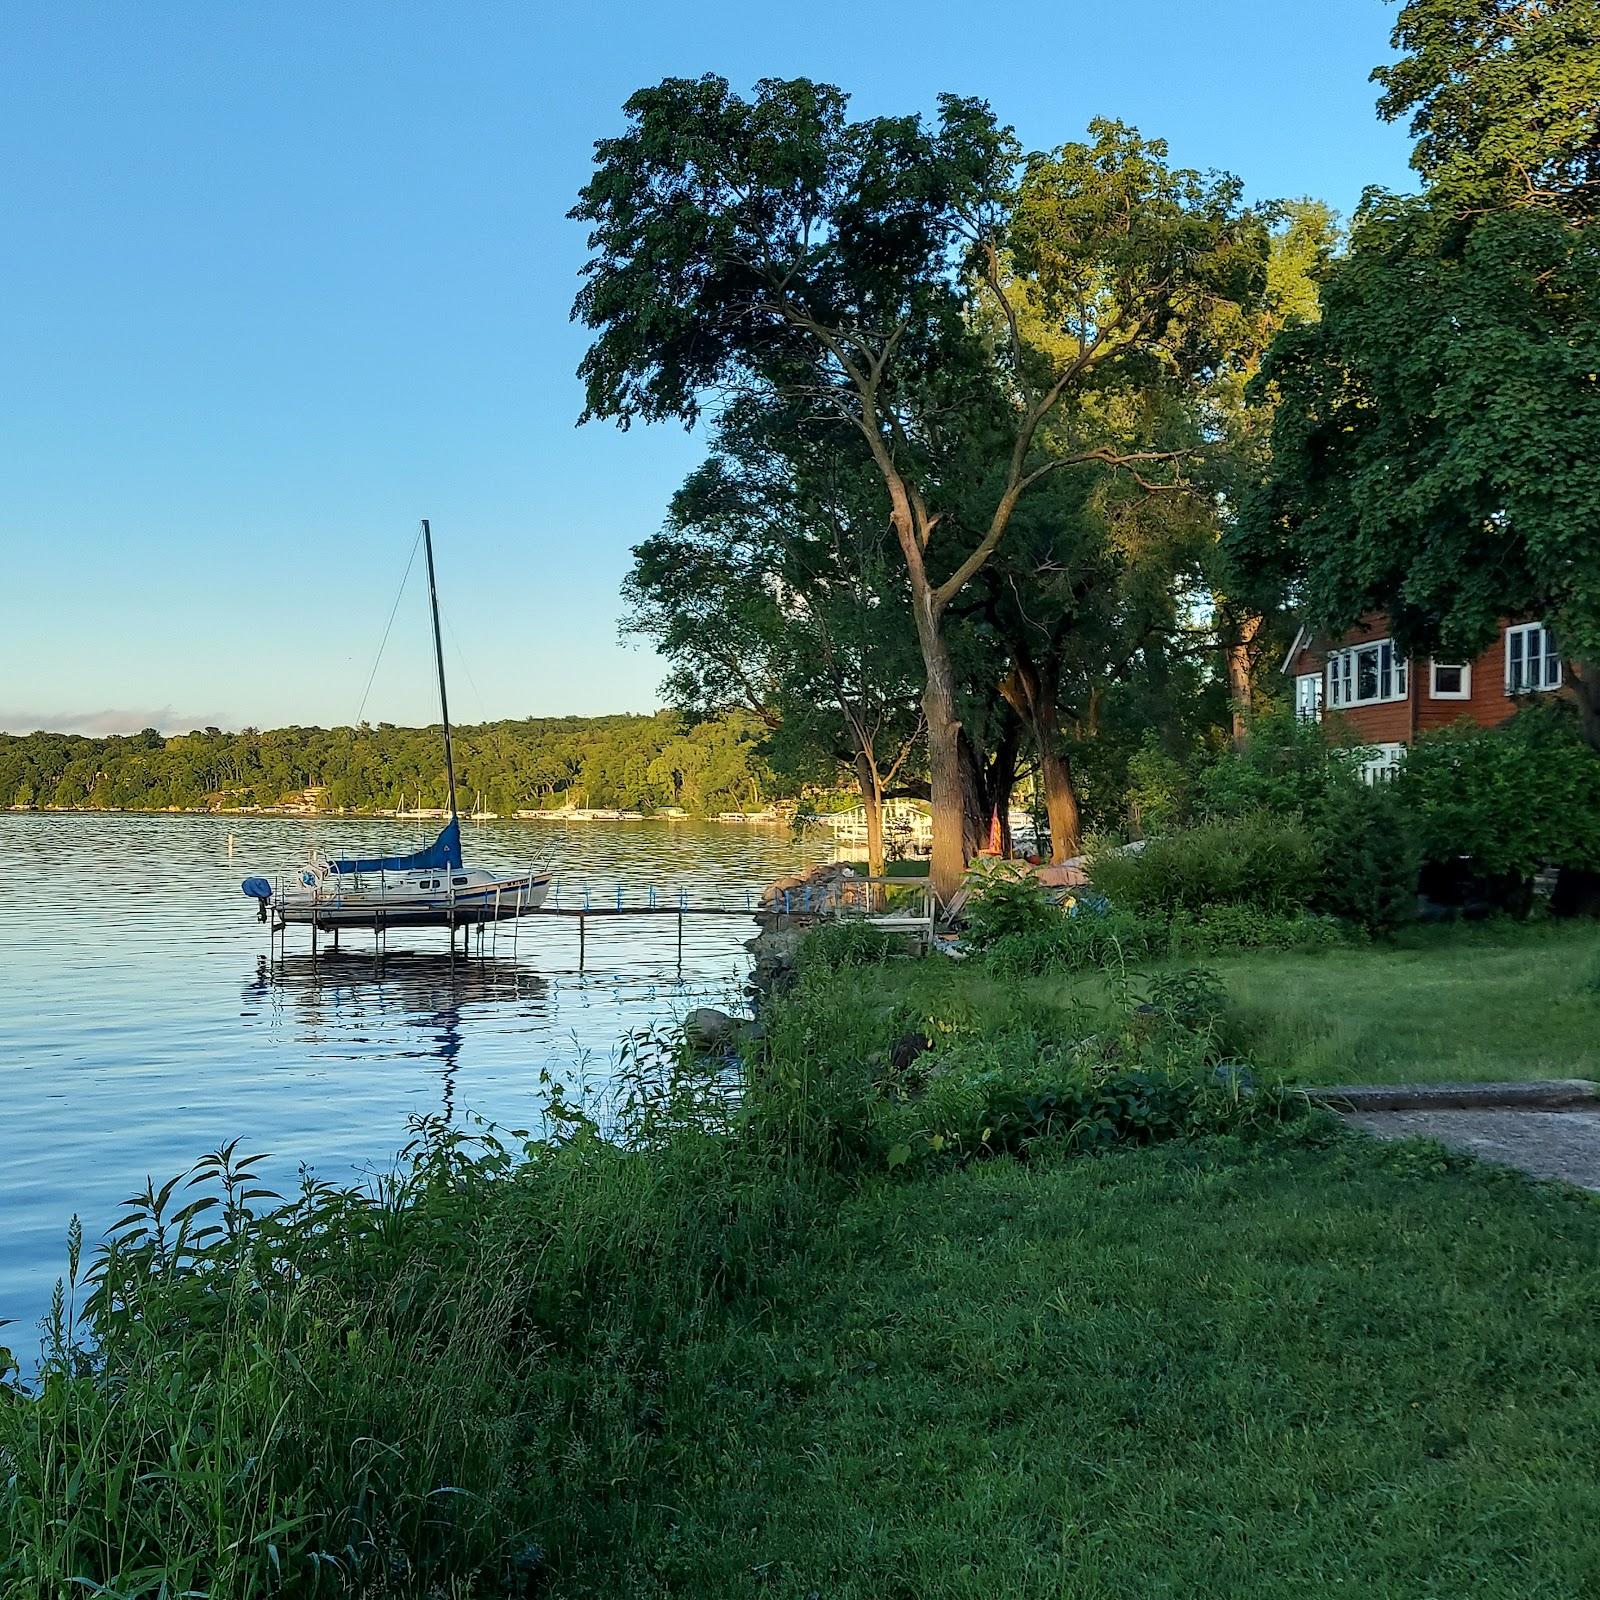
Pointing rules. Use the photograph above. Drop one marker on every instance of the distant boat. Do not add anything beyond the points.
(432, 888)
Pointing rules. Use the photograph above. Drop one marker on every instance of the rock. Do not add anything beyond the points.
(834, 883)
(907, 1048)
(775, 946)
(710, 1032)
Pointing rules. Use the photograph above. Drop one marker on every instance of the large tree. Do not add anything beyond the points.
(773, 244)
(1436, 437)
(773, 587)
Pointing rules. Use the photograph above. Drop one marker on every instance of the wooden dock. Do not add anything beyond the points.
(865, 899)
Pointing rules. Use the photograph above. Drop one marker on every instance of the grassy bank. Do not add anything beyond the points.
(1055, 1306)
(1474, 1004)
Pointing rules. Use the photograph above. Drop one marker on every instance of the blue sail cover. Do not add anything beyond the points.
(443, 855)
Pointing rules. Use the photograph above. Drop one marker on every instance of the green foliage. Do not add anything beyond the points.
(1159, 789)
(1436, 434)
(623, 762)
(1502, 97)
(1369, 856)
(1087, 940)
(1136, 1067)
(433, 1379)
(1285, 767)
(1003, 900)
(847, 942)
(1260, 860)
(1213, 930)
(1507, 800)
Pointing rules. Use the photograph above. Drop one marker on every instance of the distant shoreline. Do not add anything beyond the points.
(768, 819)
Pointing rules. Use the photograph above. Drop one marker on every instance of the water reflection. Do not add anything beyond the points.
(127, 956)
(408, 1004)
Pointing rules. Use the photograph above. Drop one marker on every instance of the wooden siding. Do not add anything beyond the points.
(1399, 721)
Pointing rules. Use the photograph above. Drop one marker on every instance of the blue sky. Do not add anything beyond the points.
(279, 279)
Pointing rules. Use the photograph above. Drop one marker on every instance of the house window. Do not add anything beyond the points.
(1366, 674)
(1531, 660)
(1308, 696)
(1378, 763)
(1450, 681)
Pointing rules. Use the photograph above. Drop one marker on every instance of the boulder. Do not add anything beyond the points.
(710, 1032)
(833, 883)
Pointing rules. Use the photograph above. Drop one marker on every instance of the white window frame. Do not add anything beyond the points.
(1380, 762)
(1344, 675)
(1463, 693)
(1308, 688)
(1525, 634)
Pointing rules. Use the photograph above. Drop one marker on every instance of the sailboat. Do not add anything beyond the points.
(433, 888)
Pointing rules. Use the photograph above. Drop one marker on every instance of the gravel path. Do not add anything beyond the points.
(1548, 1144)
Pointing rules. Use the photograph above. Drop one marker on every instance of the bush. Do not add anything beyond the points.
(1083, 941)
(1506, 801)
(1368, 854)
(1261, 860)
(1005, 900)
(1285, 768)
(1215, 929)
(1140, 1067)
(846, 943)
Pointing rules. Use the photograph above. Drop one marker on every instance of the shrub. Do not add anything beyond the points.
(846, 943)
(1285, 768)
(1366, 843)
(1079, 942)
(1509, 800)
(1136, 1068)
(1215, 929)
(1159, 790)
(1005, 900)
(1261, 860)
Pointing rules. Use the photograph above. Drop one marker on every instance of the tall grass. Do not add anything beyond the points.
(450, 1379)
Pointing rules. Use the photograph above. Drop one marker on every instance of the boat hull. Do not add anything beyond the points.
(498, 901)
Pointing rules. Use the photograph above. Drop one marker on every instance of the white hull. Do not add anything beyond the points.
(405, 904)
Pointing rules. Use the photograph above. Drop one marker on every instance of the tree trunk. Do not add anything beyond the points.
(1240, 656)
(1586, 691)
(872, 802)
(949, 863)
(1033, 693)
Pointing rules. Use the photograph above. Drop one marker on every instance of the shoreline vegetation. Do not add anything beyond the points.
(958, 1282)
(665, 764)
(774, 818)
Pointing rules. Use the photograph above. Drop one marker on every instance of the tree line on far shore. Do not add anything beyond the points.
(635, 763)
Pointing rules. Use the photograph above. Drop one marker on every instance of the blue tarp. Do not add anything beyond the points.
(443, 855)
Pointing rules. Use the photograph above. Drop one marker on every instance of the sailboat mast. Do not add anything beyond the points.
(438, 653)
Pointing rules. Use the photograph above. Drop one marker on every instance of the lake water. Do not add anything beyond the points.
(142, 1022)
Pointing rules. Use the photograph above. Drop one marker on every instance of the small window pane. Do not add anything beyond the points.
(1366, 675)
(1446, 680)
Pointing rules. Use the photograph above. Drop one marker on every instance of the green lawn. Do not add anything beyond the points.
(1194, 1371)
(1436, 1005)
(1468, 1004)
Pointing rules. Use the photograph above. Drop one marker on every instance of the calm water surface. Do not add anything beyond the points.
(142, 1022)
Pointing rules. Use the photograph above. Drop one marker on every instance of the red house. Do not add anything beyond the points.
(1387, 700)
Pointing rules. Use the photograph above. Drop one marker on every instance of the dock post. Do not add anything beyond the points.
(581, 920)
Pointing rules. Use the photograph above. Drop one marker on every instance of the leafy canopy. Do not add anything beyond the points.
(1504, 99)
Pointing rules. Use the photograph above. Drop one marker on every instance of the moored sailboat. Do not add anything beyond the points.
(430, 888)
